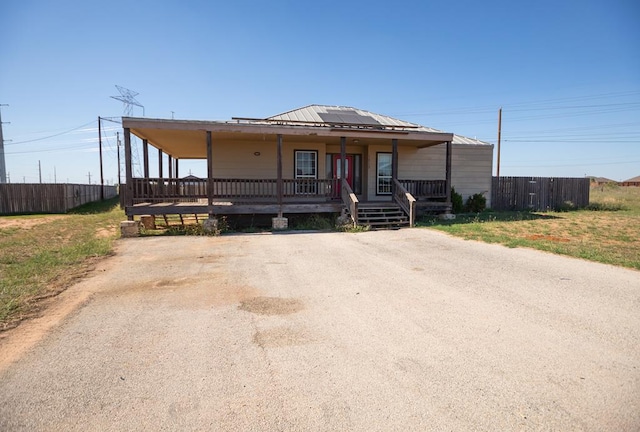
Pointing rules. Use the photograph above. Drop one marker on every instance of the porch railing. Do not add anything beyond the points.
(350, 200)
(405, 200)
(190, 190)
(426, 188)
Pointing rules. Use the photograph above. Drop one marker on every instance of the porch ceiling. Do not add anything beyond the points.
(186, 139)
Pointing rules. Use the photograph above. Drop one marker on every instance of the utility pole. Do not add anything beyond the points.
(89, 175)
(55, 177)
(118, 147)
(40, 171)
(3, 167)
(499, 133)
(101, 171)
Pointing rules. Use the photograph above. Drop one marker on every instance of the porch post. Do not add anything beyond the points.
(280, 182)
(394, 165)
(177, 176)
(343, 163)
(209, 175)
(448, 173)
(159, 163)
(129, 175)
(170, 165)
(145, 156)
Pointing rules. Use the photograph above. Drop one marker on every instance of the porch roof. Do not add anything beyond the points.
(186, 139)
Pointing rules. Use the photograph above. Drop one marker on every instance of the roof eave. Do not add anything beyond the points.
(292, 130)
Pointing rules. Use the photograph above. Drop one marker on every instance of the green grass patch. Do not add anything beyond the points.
(607, 231)
(42, 254)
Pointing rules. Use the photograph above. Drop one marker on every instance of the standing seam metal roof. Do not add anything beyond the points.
(318, 114)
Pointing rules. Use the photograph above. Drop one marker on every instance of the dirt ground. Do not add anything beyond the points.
(26, 222)
(389, 330)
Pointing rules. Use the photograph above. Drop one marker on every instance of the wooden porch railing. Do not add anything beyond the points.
(405, 200)
(426, 188)
(326, 189)
(168, 190)
(189, 190)
(350, 200)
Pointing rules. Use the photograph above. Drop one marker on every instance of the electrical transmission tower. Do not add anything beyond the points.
(128, 98)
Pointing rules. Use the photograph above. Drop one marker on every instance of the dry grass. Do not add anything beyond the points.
(608, 231)
(40, 255)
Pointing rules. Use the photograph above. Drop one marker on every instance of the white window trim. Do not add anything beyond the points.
(305, 188)
(378, 176)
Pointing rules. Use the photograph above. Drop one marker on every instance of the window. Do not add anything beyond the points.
(383, 174)
(306, 168)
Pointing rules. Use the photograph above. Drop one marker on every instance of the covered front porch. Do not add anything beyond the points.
(279, 168)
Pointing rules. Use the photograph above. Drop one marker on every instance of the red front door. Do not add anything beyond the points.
(337, 166)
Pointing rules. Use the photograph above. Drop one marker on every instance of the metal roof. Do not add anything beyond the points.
(342, 115)
(314, 123)
(330, 115)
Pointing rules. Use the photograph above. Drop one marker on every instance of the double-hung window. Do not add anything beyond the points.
(383, 174)
(306, 170)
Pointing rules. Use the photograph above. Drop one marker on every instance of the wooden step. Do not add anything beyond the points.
(382, 218)
(382, 215)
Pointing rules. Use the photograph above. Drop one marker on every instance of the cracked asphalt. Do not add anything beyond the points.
(375, 331)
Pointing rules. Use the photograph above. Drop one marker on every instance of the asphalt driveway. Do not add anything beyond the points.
(390, 330)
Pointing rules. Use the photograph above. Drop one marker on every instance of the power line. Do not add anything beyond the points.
(544, 165)
(53, 136)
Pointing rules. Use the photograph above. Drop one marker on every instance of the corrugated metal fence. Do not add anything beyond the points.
(16, 198)
(539, 193)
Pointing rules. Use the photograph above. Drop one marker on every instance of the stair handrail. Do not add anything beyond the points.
(405, 201)
(351, 201)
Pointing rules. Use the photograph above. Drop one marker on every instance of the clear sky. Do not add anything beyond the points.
(566, 73)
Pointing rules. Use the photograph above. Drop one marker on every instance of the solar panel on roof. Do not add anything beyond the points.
(347, 116)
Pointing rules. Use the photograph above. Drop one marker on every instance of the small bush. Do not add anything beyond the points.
(314, 222)
(476, 203)
(605, 206)
(567, 206)
(457, 204)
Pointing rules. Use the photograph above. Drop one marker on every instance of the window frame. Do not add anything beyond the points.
(389, 177)
(305, 188)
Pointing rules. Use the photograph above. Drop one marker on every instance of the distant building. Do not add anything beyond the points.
(635, 181)
(601, 181)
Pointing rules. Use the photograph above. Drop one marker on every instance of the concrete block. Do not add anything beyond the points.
(129, 229)
(280, 223)
(210, 225)
(148, 222)
(447, 216)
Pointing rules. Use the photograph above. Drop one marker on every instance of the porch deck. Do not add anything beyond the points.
(170, 196)
(230, 208)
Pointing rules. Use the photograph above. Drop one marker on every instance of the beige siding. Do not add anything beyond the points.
(422, 164)
(471, 170)
(371, 165)
(471, 166)
(239, 160)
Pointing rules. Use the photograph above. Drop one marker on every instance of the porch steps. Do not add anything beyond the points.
(382, 216)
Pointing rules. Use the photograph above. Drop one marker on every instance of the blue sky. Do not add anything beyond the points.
(566, 73)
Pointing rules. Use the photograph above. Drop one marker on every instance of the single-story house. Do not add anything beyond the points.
(602, 181)
(293, 163)
(634, 181)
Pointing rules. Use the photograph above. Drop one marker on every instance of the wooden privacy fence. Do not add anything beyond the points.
(539, 193)
(48, 198)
